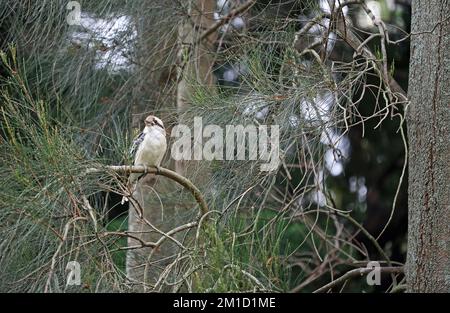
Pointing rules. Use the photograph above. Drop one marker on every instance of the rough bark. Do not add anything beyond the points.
(428, 121)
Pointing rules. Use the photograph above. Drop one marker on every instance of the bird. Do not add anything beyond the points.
(148, 149)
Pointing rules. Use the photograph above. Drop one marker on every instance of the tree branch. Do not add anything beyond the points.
(183, 181)
(225, 19)
(349, 37)
(356, 272)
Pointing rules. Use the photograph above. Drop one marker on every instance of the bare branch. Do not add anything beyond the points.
(183, 181)
(225, 19)
(356, 272)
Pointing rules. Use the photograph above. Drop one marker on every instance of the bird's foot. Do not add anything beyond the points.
(144, 173)
(158, 169)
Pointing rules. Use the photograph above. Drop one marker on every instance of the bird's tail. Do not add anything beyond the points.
(147, 180)
(131, 187)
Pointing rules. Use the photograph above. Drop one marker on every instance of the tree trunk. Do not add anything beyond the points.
(195, 65)
(428, 120)
(147, 95)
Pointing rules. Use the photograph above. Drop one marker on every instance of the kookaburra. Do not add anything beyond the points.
(148, 149)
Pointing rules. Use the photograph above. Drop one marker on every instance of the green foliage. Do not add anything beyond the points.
(44, 222)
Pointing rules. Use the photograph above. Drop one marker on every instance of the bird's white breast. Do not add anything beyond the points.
(152, 149)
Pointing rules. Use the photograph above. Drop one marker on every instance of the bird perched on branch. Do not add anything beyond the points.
(148, 149)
